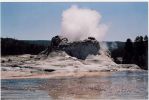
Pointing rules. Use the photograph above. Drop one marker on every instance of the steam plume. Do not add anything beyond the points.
(80, 23)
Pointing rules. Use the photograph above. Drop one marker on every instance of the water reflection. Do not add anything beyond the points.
(117, 85)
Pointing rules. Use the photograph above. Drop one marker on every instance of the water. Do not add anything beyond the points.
(116, 85)
(23, 89)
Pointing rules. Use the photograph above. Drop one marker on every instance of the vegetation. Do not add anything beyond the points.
(137, 52)
(133, 52)
(11, 46)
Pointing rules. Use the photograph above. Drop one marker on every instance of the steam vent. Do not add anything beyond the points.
(78, 49)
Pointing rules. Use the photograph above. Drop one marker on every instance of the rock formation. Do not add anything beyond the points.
(78, 49)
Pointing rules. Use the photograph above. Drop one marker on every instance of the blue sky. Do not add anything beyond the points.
(42, 21)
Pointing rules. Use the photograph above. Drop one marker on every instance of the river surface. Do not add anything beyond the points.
(126, 85)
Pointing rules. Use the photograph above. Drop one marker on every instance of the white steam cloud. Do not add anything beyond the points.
(80, 23)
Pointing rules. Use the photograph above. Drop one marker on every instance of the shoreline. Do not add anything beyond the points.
(59, 76)
(64, 75)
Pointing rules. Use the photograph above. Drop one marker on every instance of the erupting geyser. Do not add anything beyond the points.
(81, 23)
(80, 34)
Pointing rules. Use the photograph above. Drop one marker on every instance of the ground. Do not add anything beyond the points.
(58, 64)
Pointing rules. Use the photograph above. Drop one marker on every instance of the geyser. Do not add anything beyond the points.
(81, 31)
(78, 49)
(81, 23)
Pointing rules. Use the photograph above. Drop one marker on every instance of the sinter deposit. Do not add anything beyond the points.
(78, 49)
(63, 58)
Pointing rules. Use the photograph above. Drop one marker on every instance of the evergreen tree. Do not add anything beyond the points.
(128, 53)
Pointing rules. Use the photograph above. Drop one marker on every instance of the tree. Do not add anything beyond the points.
(146, 52)
(140, 47)
(145, 38)
(127, 58)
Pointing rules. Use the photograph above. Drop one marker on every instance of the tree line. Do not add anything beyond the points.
(136, 52)
(11, 46)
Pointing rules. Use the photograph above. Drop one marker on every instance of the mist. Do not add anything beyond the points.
(81, 23)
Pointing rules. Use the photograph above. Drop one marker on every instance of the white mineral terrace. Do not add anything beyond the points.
(59, 64)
